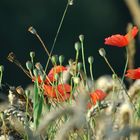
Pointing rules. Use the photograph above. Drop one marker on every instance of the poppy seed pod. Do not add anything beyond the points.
(32, 30)
(102, 52)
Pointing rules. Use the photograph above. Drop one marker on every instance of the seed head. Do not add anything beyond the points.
(32, 30)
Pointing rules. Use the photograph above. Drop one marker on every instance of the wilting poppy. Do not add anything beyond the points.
(121, 40)
(97, 95)
(133, 73)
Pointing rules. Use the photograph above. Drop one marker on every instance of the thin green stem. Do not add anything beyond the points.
(126, 64)
(109, 65)
(119, 81)
(83, 58)
(91, 73)
(56, 36)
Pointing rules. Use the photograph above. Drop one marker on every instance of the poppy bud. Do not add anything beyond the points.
(102, 52)
(61, 59)
(77, 46)
(32, 54)
(90, 59)
(54, 59)
(29, 65)
(32, 30)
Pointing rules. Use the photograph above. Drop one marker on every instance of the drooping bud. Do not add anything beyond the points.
(29, 65)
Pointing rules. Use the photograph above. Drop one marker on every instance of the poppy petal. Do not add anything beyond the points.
(133, 73)
(97, 95)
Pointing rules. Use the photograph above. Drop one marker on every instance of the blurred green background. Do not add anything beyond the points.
(96, 19)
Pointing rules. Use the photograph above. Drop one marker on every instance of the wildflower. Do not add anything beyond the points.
(97, 95)
(55, 70)
(121, 40)
(51, 76)
(133, 73)
(60, 91)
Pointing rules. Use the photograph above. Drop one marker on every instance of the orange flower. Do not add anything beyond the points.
(62, 91)
(97, 95)
(121, 40)
(133, 73)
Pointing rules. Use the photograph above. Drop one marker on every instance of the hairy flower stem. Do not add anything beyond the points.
(56, 36)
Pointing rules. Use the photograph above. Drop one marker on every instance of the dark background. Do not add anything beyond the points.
(96, 19)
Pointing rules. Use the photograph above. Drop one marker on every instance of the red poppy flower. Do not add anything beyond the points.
(56, 69)
(97, 95)
(121, 40)
(62, 91)
(50, 77)
(133, 73)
